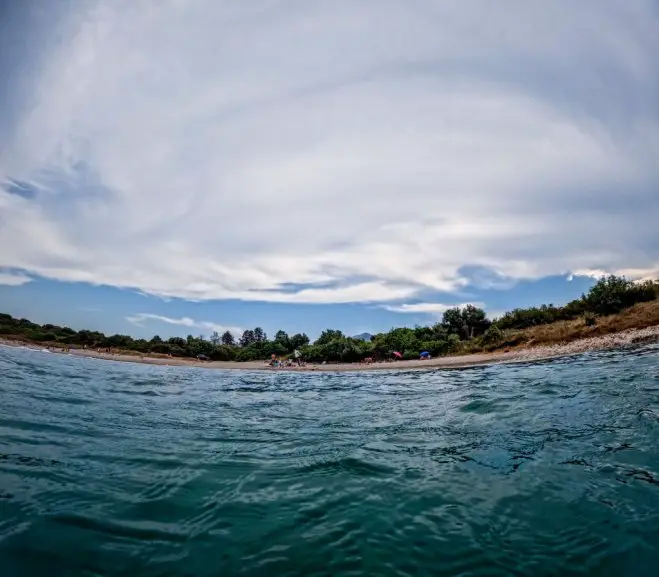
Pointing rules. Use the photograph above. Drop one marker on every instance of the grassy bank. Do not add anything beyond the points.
(638, 316)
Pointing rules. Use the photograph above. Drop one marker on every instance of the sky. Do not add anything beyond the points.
(196, 165)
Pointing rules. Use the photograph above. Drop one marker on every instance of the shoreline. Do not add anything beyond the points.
(518, 355)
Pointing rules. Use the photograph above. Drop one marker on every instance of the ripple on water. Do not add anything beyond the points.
(534, 469)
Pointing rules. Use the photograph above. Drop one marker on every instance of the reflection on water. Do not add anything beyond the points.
(540, 469)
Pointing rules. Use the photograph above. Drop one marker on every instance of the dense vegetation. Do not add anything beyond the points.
(461, 329)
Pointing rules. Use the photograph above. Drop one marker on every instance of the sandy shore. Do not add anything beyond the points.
(610, 341)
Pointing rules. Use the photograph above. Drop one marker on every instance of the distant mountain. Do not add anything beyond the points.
(364, 337)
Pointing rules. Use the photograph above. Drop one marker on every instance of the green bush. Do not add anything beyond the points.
(41, 337)
(609, 295)
(161, 348)
(435, 347)
(612, 294)
(453, 343)
(222, 353)
(532, 316)
(493, 336)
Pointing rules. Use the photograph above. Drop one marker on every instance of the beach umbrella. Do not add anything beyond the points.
(425, 354)
(397, 355)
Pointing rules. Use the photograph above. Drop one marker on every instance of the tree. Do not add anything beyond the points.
(89, 338)
(334, 349)
(439, 332)
(281, 338)
(179, 342)
(467, 322)
(299, 340)
(327, 336)
(452, 320)
(424, 333)
(475, 321)
(259, 335)
(228, 339)
(141, 345)
(215, 338)
(119, 341)
(247, 338)
(400, 339)
(272, 347)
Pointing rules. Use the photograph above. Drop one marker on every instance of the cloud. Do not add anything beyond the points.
(13, 279)
(140, 319)
(224, 150)
(636, 274)
(430, 308)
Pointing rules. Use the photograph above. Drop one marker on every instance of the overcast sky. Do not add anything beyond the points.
(372, 152)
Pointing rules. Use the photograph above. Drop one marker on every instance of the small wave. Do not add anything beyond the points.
(40, 426)
(69, 400)
(348, 465)
(142, 531)
(27, 461)
(149, 393)
(642, 475)
(144, 382)
(484, 407)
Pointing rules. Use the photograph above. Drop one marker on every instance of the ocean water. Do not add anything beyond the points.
(118, 469)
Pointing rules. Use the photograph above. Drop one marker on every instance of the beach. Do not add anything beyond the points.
(516, 355)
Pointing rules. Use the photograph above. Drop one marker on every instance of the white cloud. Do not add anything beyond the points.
(429, 308)
(588, 272)
(365, 151)
(633, 273)
(12, 279)
(140, 319)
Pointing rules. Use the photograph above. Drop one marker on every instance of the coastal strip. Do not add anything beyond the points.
(520, 354)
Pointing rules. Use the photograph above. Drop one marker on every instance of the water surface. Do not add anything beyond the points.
(117, 469)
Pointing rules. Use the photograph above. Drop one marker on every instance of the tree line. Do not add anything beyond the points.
(458, 325)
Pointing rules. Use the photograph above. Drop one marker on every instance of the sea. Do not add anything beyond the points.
(120, 469)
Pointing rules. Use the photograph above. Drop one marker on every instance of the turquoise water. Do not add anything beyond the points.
(120, 469)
